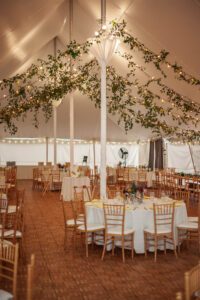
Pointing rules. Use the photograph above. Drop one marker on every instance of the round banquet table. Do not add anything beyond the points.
(137, 217)
(68, 183)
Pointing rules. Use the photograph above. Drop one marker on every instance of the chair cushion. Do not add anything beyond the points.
(91, 227)
(12, 208)
(118, 230)
(188, 225)
(159, 230)
(10, 233)
(72, 223)
(4, 295)
(192, 219)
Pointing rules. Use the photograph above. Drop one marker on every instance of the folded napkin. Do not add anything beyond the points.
(128, 208)
(178, 201)
(89, 204)
(97, 200)
(98, 205)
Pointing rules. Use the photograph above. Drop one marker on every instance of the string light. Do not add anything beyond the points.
(64, 141)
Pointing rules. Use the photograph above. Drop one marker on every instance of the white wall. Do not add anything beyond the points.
(179, 158)
(30, 154)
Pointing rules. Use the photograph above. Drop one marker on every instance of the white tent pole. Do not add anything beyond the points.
(55, 133)
(55, 119)
(47, 149)
(103, 132)
(71, 132)
(71, 116)
(94, 155)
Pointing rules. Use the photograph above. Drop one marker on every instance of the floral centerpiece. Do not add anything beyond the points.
(77, 172)
(134, 191)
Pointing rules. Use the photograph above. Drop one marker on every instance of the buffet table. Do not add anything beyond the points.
(68, 184)
(137, 217)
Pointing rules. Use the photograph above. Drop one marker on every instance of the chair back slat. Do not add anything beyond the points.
(9, 264)
(114, 215)
(163, 216)
(192, 281)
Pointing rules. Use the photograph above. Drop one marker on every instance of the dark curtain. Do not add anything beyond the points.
(159, 154)
(151, 155)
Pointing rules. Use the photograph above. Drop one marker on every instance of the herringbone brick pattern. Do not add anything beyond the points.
(61, 274)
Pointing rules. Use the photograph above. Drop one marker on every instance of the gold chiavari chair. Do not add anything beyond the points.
(190, 230)
(3, 203)
(185, 182)
(96, 192)
(30, 278)
(36, 175)
(46, 181)
(192, 283)
(178, 182)
(194, 189)
(113, 191)
(120, 176)
(156, 183)
(142, 178)
(126, 177)
(8, 270)
(133, 175)
(12, 229)
(163, 228)
(40, 164)
(70, 220)
(114, 217)
(80, 213)
(111, 175)
(168, 188)
(56, 181)
(153, 192)
(49, 164)
(182, 195)
(4, 189)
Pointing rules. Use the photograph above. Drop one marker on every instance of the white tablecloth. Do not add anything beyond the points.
(68, 184)
(138, 218)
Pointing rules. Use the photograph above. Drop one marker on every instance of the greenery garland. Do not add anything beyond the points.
(35, 89)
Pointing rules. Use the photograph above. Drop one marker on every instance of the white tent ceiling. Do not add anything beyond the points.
(28, 28)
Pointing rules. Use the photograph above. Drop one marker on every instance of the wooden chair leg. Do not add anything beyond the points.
(92, 240)
(165, 245)
(123, 253)
(145, 244)
(174, 245)
(104, 248)
(179, 241)
(155, 250)
(86, 244)
(113, 245)
(132, 246)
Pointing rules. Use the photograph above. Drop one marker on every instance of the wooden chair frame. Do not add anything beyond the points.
(81, 216)
(190, 232)
(163, 216)
(9, 264)
(114, 217)
(30, 278)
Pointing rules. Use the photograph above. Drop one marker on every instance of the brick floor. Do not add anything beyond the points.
(61, 274)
